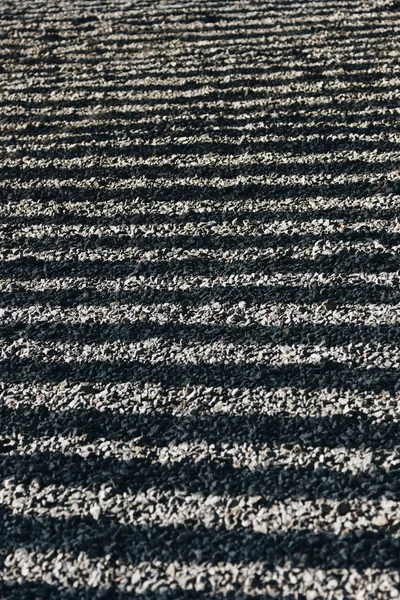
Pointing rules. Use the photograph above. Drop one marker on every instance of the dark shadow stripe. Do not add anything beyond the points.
(204, 476)
(197, 543)
(186, 192)
(328, 374)
(344, 167)
(352, 430)
(343, 262)
(302, 333)
(357, 294)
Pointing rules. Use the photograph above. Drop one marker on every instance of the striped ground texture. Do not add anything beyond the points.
(199, 299)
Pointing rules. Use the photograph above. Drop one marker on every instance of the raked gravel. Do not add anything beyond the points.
(199, 299)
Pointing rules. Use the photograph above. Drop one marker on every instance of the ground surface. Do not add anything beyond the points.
(199, 301)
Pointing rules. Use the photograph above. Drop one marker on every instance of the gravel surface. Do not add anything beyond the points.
(199, 299)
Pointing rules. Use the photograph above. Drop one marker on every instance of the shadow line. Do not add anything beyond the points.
(137, 543)
(301, 333)
(344, 262)
(351, 430)
(205, 476)
(358, 294)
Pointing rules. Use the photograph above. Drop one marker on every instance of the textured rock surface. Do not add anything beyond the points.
(199, 299)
